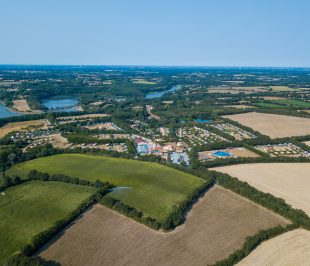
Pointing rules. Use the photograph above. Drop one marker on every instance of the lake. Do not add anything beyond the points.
(4, 112)
(158, 94)
(68, 104)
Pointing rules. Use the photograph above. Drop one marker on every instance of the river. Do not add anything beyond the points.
(158, 94)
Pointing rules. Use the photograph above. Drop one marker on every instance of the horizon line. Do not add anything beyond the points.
(160, 66)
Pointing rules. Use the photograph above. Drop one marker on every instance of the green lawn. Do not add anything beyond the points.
(153, 188)
(32, 207)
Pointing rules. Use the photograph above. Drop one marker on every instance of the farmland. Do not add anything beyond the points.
(289, 181)
(21, 106)
(215, 227)
(33, 207)
(151, 188)
(236, 90)
(291, 248)
(274, 126)
(21, 126)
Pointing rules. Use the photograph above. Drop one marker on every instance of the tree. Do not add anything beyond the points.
(11, 158)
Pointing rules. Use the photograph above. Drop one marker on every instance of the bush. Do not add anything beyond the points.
(20, 260)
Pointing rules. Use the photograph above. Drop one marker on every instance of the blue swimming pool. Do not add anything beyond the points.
(222, 154)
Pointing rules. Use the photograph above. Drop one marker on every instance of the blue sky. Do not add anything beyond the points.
(146, 32)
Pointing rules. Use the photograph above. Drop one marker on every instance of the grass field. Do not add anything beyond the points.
(215, 227)
(20, 126)
(282, 88)
(292, 248)
(284, 103)
(289, 181)
(152, 188)
(237, 89)
(33, 207)
(274, 126)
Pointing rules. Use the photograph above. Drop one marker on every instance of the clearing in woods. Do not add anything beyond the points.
(289, 181)
(30, 208)
(152, 188)
(215, 227)
(274, 126)
(291, 248)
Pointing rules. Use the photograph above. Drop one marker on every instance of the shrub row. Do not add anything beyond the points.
(178, 215)
(130, 212)
(252, 242)
(20, 260)
(36, 175)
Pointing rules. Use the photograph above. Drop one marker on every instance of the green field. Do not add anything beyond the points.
(152, 188)
(285, 103)
(32, 207)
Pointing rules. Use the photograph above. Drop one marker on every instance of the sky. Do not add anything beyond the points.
(156, 32)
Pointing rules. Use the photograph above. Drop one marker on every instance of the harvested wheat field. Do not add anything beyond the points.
(81, 117)
(292, 248)
(20, 126)
(274, 126)
(289, 181)
(239, 106)
(307, 143)
(21, 106)
(216, 226)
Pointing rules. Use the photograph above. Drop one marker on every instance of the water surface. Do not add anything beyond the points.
(158, 94)
(68, 104)
(203, 121)
(5, 112)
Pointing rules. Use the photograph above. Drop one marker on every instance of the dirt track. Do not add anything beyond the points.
(216, 226)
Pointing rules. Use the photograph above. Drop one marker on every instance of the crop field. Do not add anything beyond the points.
(239, 106)
(236, 89)
(21, 126)
(281, 88)
(151, 188)
(284, 103)
(215, 227)
(274, 126)
(33, 207)
(307, 143)
(21, 106)
(291, 248)
(273, 98)
(289, 181)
